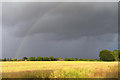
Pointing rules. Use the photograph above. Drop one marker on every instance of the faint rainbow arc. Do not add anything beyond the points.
(34, 26)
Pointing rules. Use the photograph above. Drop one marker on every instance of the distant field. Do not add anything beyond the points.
(59, 69)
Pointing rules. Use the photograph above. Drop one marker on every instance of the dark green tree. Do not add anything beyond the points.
(80, 59)
(67, 59)
(19, 60)
(39, 58)
(56, 59)
(106, 55)
(119, 54)
(43, 58)
(10, 59)
(24, 58)
(48, 59)
(51, 58)
(115, 54)
(14, 59)
(31, 59)
(76, 59)
(4, 59)
(7, 59)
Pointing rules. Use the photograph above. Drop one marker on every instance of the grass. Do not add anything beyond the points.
(59, 69)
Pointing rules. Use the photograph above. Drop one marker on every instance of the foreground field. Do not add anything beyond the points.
(59, 69)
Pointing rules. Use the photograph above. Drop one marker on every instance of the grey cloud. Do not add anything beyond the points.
(18, 12)
(85, 47)
(68, 21)
(70, 30)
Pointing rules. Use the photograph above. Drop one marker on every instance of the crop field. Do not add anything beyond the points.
(59, 69)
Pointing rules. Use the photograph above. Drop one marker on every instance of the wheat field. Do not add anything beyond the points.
(59, 69)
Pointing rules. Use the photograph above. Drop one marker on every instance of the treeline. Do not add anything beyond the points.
(51, 58)
(39, 58)
(104, 55)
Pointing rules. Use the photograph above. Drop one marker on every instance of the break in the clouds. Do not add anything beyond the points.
(67, 29)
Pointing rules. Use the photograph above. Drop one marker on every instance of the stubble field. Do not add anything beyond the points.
(59, 69)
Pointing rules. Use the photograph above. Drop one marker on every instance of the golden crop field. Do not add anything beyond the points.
(59, 69)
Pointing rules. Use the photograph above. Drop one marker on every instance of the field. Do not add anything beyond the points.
(59, 69)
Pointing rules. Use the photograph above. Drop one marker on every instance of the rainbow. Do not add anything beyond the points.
(33, 27)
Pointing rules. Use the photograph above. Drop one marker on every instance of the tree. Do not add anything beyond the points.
(39, 58)
(119, 54)
(106, 55)
(31, 59)
(19, 60)
(93, 60)
(72, 59)
(115, 54)
(69, 59)
(48, 59)
(14, 59)
(4, 59)
(10, 59)
(43, 58)
(76, 59)
(24, 58)
(80, 59)
(56, 59)
(51, 58)
(7, 59)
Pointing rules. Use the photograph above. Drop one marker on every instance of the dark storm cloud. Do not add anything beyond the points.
(17, 12)
(85, 47)
(62, 29)
(68, 21)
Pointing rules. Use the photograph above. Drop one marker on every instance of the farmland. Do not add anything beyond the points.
(59, 69)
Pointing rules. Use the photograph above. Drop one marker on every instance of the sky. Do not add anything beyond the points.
(70, 29)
